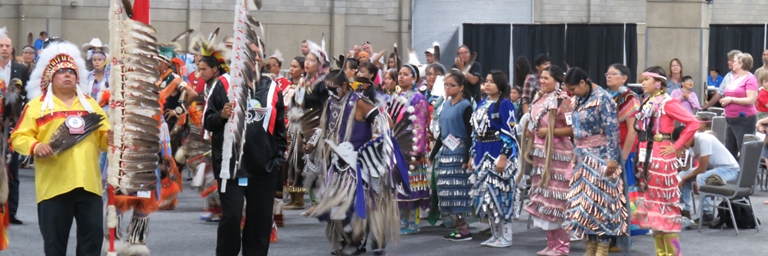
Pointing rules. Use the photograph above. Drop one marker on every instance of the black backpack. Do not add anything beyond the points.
(743, 214)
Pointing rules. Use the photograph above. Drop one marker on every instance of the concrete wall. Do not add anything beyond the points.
(441, 21)
(286, 22)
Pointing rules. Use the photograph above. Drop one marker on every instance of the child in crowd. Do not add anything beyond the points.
(762, 96)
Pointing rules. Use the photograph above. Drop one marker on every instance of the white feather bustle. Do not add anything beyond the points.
(412, 118)
(411, 109)
(34, 88)
(3, 33)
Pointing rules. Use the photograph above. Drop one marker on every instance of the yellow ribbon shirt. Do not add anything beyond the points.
(76, 167)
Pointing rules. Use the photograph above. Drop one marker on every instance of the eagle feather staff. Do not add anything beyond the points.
(234, 130)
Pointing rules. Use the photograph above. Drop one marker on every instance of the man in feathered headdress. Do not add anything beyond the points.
(67, 180)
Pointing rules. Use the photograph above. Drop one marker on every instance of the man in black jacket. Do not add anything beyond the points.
(8, 71)
(255, 179)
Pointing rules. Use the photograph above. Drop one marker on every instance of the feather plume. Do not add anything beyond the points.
(183, 35)
(12, 101)
(436, 45)
(30, 38)
(213, 35)
(253, 5)
(128, 8)
(397, 58)
(62, 140)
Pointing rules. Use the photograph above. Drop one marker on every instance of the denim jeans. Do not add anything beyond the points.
(728, 174)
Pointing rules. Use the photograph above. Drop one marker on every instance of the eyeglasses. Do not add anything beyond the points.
(612, 74)
(66, 71)
(366, 42)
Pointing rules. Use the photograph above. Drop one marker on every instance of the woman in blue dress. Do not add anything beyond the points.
(596, 201)
(495, 159)
(453, 142)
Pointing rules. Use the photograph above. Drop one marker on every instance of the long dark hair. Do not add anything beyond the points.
(213, 63)
(461, 80)
(500, 79)
(574, 76)
(522, 69)
(624, 70)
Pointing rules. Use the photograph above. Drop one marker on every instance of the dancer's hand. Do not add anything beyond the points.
(611, 168)
(667, 150)
(501, 164)
(227, 111)
(43, 150)
(542, 132)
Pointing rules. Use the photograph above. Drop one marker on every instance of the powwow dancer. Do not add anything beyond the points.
(360, 186)
(552, 150)
(658, 207)
(596, 203)
(212, 69)
(410, 110)
(304, 117)
(495, 159)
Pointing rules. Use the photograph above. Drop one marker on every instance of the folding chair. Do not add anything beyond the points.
(741, 191)
(718, 126)
(716, 110)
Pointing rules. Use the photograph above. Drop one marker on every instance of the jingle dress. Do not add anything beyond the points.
(493, 131)
(658, 206)
(548, 203)
(452, 182)
(628, 104)
(596, 203)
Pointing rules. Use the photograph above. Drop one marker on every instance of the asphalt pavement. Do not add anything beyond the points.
(181, 233)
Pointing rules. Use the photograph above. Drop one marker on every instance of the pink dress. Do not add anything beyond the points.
(658, 206)
(549, 203)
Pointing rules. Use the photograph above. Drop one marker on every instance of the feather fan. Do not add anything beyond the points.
(62, 139)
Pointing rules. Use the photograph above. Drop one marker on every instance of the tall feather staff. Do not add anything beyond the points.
(234, 130)
(133, 158)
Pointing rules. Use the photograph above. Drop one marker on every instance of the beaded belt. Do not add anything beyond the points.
(489, 136)
(657, 137)
(591, 141)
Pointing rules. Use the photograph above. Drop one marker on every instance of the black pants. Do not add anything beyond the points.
(260, 197)
(13, 184)
(55, 217)
(734, 132)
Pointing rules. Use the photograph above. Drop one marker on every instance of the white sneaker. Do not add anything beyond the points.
(489, 241)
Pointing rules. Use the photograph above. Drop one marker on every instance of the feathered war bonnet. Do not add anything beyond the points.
(207, 48)
(58, 55)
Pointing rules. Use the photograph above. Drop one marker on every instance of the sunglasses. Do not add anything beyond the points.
(66, 71)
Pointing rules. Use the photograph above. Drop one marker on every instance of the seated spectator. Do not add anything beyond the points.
(714, 79)
(686, 96)
(713, 159)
